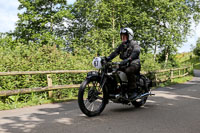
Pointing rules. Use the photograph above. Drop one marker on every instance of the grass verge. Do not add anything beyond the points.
(34, 102)
(176, 81)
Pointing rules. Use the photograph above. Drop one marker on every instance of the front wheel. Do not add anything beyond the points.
(91, 97)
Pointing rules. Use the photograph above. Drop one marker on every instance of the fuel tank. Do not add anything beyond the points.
(122, 76)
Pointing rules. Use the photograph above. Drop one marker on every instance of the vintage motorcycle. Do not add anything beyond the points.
(109, 83)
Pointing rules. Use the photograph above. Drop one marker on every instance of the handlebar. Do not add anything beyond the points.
(115, 63)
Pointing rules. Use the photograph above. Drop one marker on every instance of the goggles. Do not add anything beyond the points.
(123, 31)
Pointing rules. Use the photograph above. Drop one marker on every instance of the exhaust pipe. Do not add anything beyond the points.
(126, 98)
(143, 95)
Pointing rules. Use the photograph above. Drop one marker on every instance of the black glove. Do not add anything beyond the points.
(107, 59)
(124, 62)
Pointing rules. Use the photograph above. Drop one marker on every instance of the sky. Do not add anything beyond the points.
(8, 18)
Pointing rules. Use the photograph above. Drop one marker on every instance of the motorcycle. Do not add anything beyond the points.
(109, 83)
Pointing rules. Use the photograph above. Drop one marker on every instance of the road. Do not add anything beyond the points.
(174, 109)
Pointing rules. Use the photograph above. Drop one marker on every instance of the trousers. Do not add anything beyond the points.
(131, 72)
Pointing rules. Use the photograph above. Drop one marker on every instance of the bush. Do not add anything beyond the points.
(197, 48)
(34, 58)
(148, 63)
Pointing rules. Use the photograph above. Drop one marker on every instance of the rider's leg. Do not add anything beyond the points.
(131, 73)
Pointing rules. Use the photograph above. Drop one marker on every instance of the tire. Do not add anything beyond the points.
(90, 93)
(140, 102)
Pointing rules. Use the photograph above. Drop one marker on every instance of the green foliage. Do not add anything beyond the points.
(177, 81)
(195, 61)
(42, 21)
(186, 59)
(197, 48)
(19, 101)
(148, 64)
(35, 58)
(93, 26)
(156, 24)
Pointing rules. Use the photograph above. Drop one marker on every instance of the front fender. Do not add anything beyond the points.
(94, 75)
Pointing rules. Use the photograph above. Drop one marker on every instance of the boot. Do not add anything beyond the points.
(133, 93)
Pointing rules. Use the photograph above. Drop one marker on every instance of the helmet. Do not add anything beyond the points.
(127, 31)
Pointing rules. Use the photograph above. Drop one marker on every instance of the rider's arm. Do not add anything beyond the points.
(135, 53)
(114, 54)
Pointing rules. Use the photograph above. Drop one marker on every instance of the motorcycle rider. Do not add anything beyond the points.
(129, 52)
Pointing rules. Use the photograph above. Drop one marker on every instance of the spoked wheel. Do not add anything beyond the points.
(142, 101)
(91, 97)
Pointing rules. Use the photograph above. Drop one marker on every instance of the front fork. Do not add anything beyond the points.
(104, 87)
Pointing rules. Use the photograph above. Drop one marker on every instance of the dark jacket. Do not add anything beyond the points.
(129, 52)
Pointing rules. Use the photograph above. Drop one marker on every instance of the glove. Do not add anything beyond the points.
(124, 62)
(107, 59)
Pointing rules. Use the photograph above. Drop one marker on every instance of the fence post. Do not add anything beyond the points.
(171, 75)
(156, 78)
(49, 81)
(187, 70)
(191, 68)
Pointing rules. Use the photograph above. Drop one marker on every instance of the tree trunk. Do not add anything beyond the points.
(155, 49)
(113, 27)
(51, 25)
(166, 57)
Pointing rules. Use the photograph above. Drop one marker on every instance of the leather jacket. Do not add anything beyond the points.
(129, 52)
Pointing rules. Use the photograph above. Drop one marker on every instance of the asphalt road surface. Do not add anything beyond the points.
(174, 109)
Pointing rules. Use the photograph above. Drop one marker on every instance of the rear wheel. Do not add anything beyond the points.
(140, 102)
(91, 97)
(144, 89)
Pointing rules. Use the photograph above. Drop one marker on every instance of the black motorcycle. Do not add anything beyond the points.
(109, 83)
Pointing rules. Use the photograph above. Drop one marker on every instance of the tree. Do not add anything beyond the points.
(41, 20)
(157, 24)
(175, 22)
(6, 40)
(197, 48)
(94, 25)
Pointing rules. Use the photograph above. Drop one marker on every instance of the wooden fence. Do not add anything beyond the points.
(170, 74)
(158, 76)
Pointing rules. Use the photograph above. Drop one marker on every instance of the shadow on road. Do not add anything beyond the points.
(196, 73)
